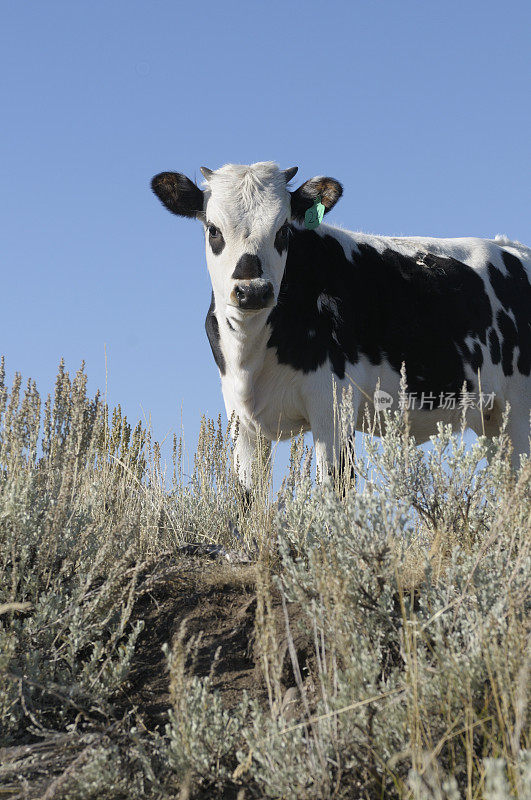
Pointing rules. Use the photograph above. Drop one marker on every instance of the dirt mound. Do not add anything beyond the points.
(217, 601)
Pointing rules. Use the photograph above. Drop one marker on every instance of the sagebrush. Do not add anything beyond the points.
(390, 633)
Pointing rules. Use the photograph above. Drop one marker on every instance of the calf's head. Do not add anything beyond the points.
(247, 213)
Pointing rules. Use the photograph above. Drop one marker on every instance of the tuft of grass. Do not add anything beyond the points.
(378, 645)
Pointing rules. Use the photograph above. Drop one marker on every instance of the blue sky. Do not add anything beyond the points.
(420, 109)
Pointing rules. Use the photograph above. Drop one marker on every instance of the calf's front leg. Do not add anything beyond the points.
(333, 443)
(252, 461)
(244, 456)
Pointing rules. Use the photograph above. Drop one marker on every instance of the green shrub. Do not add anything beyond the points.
(391, 634)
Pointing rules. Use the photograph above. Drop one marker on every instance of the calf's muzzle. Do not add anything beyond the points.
(252, 295)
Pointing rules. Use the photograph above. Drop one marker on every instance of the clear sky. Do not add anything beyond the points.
(421, 109)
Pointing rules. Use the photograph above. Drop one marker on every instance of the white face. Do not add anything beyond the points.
(246, 211)
(246, 218)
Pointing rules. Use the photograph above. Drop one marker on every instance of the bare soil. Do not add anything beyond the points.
(218, 601)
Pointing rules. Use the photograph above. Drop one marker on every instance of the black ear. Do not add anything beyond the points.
(178, 193)
(327, 189)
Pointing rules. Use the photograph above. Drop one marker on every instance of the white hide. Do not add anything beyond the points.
(249, 205)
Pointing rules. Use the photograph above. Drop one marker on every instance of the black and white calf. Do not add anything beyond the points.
(294, 310)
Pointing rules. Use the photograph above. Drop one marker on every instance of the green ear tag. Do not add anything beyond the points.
(314, 215)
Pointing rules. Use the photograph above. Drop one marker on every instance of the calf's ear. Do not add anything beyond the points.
(178, 193)
(328, 190)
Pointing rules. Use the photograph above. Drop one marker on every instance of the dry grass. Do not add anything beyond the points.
(374, 641)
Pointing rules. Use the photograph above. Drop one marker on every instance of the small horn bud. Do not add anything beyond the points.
(290, 173)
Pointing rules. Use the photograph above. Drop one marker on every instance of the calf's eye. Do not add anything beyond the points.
(281, 239)
(215, 239)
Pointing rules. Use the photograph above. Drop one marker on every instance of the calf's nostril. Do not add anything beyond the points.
(253, 297)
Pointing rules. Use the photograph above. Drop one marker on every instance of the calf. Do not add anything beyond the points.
(295, 310)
